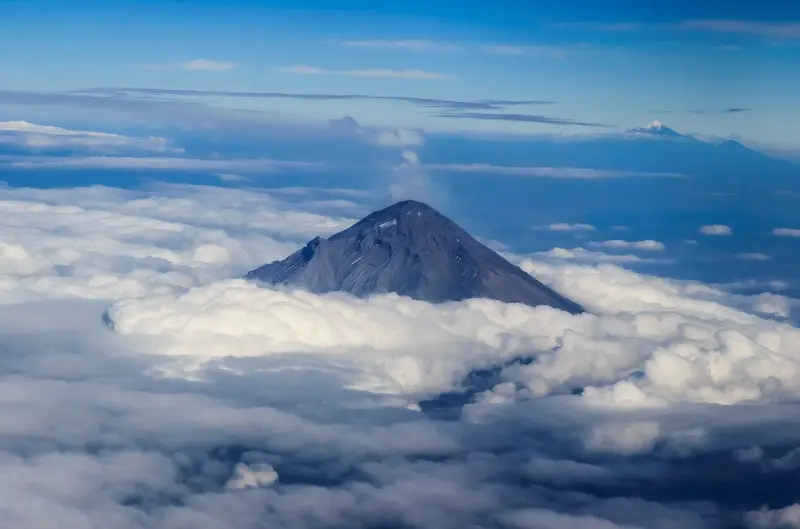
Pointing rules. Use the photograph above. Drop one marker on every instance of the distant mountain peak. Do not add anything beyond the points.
(657, 128)
(655, 125)
(731, 144)
(410, 249)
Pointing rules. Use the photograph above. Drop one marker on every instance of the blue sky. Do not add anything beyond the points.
(716, 68)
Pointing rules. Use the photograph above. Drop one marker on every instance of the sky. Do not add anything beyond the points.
(716, 69)
(152, 153)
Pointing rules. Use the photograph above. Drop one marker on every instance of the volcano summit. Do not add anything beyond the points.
(412, 250)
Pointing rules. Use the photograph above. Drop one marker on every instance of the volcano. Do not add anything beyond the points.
(656, 128)
(410, 249)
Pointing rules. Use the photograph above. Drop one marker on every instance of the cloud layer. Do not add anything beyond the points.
(204, 401)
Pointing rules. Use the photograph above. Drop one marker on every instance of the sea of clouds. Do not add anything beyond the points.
(143, 385)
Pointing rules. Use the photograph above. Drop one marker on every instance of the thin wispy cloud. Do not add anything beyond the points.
(564, 226)
(206, 65)
(726, 47)
(771, 29)
(750, 256)
(716, 230)
(301, 69)
(225, 166)
(45, 137)
(617, 244)
(450, 104)
(523, 118)
(197, 65)
(403, 45)
(571, 173)
(786, 232)
(700, 111)
(533, 51)
(422, 46)
(789, 30)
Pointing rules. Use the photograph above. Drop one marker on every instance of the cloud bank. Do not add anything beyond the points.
(145, 386)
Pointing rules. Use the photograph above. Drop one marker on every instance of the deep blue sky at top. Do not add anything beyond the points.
(620, 63)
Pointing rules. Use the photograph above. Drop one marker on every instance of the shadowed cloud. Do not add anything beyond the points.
(524, 118)
(482, 104)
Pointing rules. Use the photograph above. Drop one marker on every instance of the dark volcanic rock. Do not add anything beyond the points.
(413, 250)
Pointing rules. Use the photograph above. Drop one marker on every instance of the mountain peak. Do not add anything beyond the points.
(410, 249)
(656, 128)
(404, 207)
(410, 205)
(731, 144)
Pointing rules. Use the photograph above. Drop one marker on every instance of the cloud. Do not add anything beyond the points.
(586, 256)
(522, 118)
(730, 110)
(399, 138)
(774, 519)
(580, 173)
(421, 46)
(376, 73)
(44, 137)
(483, 104)
(410, 180)
(207, 65)
(751, 256)
(255, 476)
(403, 45)
(229, 177)
(746, 27)
(648, 245)
(563, 226)
(533, 51)
(776, 30)
(213, 399)
(381, 136)
(254, 165)
(786, 232)
(716, 229)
